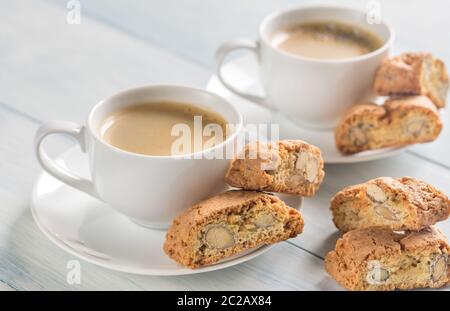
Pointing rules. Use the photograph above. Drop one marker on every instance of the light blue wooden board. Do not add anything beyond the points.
(53, 70)
(194, 29)
(50, 69)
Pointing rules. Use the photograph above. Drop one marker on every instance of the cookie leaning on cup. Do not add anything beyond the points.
(413, 74)
(400, 121)
(378, 259)
(397, 204)
(286, 166)
(229, 223)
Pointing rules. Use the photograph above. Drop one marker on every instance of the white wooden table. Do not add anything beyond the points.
(52, 70)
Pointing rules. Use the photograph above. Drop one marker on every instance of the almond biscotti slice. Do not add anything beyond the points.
(377, 259)
(286, 166)
(229, 223)
(397, 204)
(413, 74)
(400, 121)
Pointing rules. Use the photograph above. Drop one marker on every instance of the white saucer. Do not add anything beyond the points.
(89, 229)
(242, 72)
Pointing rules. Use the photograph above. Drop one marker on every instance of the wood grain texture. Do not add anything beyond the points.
(52, 70)
(439, 150)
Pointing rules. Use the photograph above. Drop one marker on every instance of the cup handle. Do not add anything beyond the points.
(50, 166)
(222, 53)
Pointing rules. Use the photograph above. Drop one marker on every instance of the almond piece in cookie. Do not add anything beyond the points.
(413, 74)
(400, 121)
(287, 166)
(397, 204)
(230, 223)
(378, 259)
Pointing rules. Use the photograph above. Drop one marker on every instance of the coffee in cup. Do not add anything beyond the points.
(150, 128)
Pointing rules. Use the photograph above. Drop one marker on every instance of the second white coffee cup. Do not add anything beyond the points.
(313, 92)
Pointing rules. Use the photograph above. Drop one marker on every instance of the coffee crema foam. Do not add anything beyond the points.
(326, 40)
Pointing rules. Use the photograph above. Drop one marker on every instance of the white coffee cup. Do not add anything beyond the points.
(151, 190)
(313, 92)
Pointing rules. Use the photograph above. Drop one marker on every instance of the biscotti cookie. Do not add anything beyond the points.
(377, 259)
(287, 166)
(413, 74)
(400, 121)
(229, 223)
(398, 204)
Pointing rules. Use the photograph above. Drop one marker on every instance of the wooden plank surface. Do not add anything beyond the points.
(52, 70)
(28, 261)
(194, 29)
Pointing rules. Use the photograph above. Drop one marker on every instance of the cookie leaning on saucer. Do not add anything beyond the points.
(230, 223)
(378, 259)
(286, 166)
(400, 121)
(413, 74)
(397, 204)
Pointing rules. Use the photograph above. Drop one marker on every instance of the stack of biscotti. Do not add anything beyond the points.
(417, 86)
(390, 241)
(237, 220)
